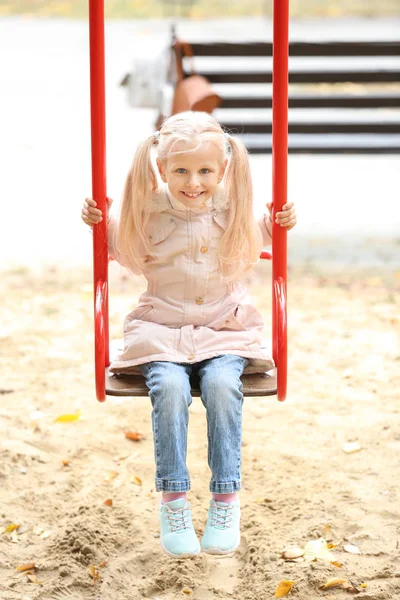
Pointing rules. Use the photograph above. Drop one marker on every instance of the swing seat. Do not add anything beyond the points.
(259, 384)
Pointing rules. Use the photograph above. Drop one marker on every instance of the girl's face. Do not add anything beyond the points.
(193, 176)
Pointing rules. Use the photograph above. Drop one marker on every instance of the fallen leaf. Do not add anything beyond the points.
(45, 534)
(118, 458)
(331, 583)
(187, 591)
(94, 573)
(317, 549)
(69, 418)
(284, 588)
(136, 480)
(337, 564)
(111, 476)
(27, 567)
(108, 502)
(134, 435)
(351, 447)
(14, 537)
(349, 587)
(363, 585)
(12, 527)
(103, 564)
(351, 548)
(32, 577)
(292, 552)
(66, 463)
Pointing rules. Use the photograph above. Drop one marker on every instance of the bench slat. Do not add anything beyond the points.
(316, 101)
(309, 149)
(311, 128)
(343, 76)
(386, 48)
(327, 144)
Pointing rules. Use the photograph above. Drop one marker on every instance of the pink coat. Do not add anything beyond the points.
(187, 314)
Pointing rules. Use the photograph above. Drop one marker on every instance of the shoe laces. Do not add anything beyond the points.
(178, 520)
(221, 516)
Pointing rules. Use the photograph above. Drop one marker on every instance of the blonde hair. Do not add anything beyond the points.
(242, 240)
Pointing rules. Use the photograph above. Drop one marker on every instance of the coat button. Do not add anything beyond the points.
(204, 249)
(199, 300)
(190, 357)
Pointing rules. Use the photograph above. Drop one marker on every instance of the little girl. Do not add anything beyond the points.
(193, 239)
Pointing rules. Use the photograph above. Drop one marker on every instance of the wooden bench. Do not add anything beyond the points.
(332, 108)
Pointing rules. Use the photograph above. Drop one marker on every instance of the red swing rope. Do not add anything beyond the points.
(279, 191)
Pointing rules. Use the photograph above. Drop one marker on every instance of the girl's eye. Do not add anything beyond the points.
(204, 171)
(181, 170)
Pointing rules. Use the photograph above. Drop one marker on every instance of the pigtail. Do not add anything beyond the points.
(141, 181)
(242, 241)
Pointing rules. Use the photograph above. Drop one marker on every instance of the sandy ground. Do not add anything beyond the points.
(298, 482)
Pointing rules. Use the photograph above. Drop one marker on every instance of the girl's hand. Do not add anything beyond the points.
(92, 215)
(286, 217)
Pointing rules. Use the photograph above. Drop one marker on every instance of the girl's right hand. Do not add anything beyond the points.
(92, 215)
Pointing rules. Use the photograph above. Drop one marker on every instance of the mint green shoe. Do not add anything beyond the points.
(178, 538)
(222, 533)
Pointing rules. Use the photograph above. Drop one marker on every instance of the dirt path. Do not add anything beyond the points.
(344, 387)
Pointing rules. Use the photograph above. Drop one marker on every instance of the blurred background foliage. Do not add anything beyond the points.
(136, 9)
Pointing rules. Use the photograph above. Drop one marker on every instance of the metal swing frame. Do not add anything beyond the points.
(263, 384)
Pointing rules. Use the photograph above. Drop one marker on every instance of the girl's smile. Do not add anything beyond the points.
(189, 195)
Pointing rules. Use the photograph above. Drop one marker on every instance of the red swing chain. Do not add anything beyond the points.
(280, 79)
(100, 245)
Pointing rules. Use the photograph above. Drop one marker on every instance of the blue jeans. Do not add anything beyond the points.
(221, 394)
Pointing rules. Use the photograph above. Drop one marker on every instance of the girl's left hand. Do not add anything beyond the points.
(286, 217)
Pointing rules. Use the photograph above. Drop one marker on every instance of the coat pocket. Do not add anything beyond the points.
(160, 233)
(221, 219)
(230, 321)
